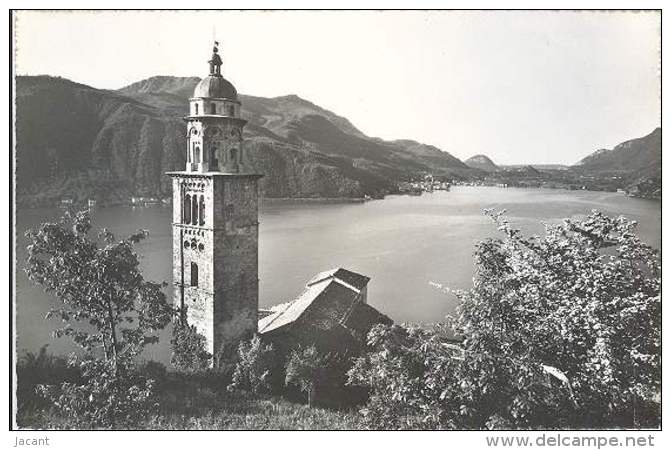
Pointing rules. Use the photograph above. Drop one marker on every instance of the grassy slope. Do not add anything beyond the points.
(187, 403)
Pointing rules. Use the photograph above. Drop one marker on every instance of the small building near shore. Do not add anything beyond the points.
(331, 314)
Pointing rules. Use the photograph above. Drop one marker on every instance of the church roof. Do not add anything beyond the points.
(362, 317)
(353, 279)
(296, 308)
(337, 287)
(215, 86)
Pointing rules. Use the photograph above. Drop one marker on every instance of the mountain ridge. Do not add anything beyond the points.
(631, 155)
(77, 141)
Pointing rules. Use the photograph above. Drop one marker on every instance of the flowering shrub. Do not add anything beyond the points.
(558, 331)
(410, 374)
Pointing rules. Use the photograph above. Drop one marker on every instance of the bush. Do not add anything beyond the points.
(188, 349)
(33, 369)
(253, 369)
(105, 397)
(153, 370)
(411, 376)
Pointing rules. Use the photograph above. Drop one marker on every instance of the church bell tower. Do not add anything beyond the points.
(215, 224)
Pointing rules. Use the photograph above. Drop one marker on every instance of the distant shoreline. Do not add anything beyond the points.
(313, 199)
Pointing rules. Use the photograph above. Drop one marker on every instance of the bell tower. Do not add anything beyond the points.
(215, 219)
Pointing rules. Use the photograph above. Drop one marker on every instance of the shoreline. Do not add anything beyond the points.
(313, 199)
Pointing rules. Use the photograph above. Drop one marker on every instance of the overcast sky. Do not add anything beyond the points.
(520, 87)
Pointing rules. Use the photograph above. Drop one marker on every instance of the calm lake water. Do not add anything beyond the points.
(403, 243)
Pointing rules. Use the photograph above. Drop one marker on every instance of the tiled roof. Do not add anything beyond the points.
(363, 317)
(353, 279)
(335, 294)
(294, 309)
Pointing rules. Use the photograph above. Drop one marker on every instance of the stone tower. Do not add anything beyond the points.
(215, 224)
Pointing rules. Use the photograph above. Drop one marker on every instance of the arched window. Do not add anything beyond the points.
(231, 110)
(194, 210)
(213, 108)
(234, 155)
(186, 214)
(196, 105)
(201, 210)
(196, 153)
(214, 163)
(194, 274)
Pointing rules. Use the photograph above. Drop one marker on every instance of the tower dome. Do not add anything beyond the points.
(214, 85)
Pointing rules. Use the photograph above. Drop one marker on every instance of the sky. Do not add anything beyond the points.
(518, 86)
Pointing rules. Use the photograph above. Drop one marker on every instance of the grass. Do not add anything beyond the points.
(269, 414)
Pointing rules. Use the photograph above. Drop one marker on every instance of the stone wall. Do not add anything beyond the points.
(236, 238)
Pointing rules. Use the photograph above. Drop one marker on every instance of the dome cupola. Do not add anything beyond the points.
(214, 85)
(214, 130)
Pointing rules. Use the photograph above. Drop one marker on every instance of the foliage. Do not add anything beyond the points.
(103, 399)
(188, 348)
(307, 368)
(410, 373)
(153, 370)
(97, 285)
(108, 309)
(253, 368)
(33, 369)
(559, 331)
(190, 402)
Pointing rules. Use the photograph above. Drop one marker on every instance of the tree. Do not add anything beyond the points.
(558, 331)
(108, 309)
(253, 368)
(306, 368)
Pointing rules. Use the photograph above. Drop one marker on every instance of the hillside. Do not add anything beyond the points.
(637, 161)
(77, 141)
(481, 162)
(639, 154)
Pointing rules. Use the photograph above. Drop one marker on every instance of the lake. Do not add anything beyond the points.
(404, 243)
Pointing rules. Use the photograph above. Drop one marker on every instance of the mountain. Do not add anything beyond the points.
(481, 162)
(641, 154)
(637, 161)
(74, 140)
